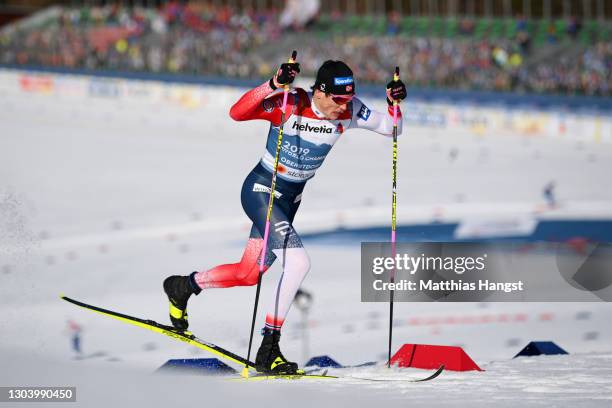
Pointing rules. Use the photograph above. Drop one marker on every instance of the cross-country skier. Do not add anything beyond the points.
(314, 122)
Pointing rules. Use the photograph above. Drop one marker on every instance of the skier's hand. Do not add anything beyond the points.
(396, 91)
(286, 74)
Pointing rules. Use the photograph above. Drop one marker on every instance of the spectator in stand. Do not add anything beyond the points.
(523, 37)
(466, 26)
(521, 23)
(500, 56)
(298, 14)
(551, 33)
(393, 23)
(573, 27)
(524, 41)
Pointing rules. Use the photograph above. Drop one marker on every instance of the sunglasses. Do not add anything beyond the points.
(341, 99)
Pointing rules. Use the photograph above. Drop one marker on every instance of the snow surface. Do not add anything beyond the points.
(581, 380)
(101, 201)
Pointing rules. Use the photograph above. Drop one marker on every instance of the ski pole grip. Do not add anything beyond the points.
(395, 78)
(286, 87)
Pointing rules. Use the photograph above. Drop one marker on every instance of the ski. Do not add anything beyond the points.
(428, 378)
(169, 331)
(263, 377)
(190, 338)
(284, 377)
(324, 375)
(351, 377)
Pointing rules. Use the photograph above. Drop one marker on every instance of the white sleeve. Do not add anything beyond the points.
(379, 122)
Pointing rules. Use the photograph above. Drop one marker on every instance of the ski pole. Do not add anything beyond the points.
(393, 218)
(245, 370)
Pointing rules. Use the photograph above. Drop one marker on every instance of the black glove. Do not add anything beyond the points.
(396, 91)
(285, 74)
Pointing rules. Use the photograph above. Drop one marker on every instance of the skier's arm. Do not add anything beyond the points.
(259, 104)
(379, 122)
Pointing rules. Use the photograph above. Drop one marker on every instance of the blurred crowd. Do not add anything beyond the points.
(205, 39)
(589, 73)
(466, 65)
(425, 62)
(195, 39)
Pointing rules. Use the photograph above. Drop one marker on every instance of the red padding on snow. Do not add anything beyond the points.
(431, 356)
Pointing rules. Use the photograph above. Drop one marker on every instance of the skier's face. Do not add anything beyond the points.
(332, 106)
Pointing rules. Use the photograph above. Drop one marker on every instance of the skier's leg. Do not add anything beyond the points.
(180, 288)
(296, 264)
(246, 272)
(287, 245)
(243, 273)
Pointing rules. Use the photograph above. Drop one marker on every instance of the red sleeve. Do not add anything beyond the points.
(256, 104)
